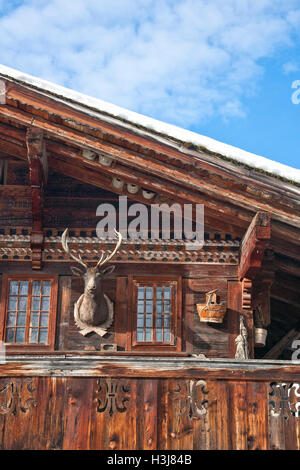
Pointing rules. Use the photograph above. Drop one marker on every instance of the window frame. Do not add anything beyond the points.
(6, 278)
(176, 327)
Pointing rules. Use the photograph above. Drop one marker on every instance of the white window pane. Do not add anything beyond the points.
(159, 291)
(43, 336)
(10, 335)
(140, 320)
(20, 335)
(11, 319)
(140, 306)
(148, 334)
(23, 288)
(12, 303)
(140, 334)
(34, 319)
(167, 292)
(158, 334)
(22, 304)
(13, 287)
(35, 303)
(21, 321)
(46, 288)
(33, 335)
(149, 292)
(141, 292)
(44, 319)
(149, 320)
(167, 335)
(36, 287)
(158, 320)
(149, 306)
(45, 303)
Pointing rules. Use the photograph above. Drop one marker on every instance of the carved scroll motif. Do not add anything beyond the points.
(112, 395)
(285, 400)
(16, 397)
(190, 398)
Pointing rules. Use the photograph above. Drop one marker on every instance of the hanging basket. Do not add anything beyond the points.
(211, 311)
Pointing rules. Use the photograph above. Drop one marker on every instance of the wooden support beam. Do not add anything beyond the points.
(254, 244)
(285, 342)
(38, 167)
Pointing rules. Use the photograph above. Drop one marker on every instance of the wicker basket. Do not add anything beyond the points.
(211, 311)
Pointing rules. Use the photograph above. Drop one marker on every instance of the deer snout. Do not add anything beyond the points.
(91, 286)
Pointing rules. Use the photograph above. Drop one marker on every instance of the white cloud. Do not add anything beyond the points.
(181, 61)
(290, 67)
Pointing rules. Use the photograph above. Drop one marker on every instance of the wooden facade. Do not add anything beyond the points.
(192, 386)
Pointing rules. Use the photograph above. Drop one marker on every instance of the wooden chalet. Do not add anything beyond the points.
(201, 349)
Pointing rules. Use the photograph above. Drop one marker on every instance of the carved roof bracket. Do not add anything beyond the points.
(38, 166)
(254, 244)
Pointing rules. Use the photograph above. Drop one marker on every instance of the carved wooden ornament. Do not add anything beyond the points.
(93, 311)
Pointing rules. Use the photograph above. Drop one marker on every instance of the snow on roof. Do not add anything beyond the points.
(153, 125)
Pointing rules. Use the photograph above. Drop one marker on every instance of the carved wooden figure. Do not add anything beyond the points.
(93, 311)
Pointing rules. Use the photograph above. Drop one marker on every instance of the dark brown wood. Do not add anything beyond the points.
(283, 343)
(121, 313)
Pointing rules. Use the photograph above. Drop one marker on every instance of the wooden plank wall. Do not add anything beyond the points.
(126, 413)
(211, 339)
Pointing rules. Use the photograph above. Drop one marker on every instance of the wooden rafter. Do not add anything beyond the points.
(285, 342)
(38, 167)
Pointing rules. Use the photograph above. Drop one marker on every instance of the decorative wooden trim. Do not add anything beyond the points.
(18, 396)
(284, 400)
(38, 167)
(215, 251)
(112, 395)
(190, 398)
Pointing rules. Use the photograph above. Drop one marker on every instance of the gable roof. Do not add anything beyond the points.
(157, 129)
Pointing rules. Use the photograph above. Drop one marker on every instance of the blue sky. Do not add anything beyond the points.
(221, 68)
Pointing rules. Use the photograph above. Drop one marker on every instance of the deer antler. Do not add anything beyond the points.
(64, 242)
(102, 261)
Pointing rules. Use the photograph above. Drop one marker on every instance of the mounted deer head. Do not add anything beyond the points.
(94, 310)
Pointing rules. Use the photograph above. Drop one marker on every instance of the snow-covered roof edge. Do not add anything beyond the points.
(159, 127)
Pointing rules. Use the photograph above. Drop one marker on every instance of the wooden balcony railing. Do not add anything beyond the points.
(93, 402)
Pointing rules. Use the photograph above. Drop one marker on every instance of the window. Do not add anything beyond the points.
(29, 310)
(155, 314)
